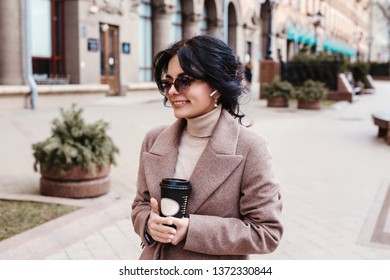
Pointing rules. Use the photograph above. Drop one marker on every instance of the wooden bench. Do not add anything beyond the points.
(382, 120)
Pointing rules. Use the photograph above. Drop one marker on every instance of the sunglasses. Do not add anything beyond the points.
(181, 84)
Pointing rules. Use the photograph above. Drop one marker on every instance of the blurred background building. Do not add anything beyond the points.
(98, 42)
(378, 39)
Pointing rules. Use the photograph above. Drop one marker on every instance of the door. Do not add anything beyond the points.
(109, 57)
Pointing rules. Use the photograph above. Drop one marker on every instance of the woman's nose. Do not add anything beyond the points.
(172, 90)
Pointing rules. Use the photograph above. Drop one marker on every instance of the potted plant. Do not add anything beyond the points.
(309, 95)
(75, 160)
(360, 70)
(277, 93)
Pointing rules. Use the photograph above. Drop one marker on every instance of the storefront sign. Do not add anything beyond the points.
(126, 48)
(93, 45)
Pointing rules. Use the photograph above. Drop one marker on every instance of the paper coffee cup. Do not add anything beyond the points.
(174, 197)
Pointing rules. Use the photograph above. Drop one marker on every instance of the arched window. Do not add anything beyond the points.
(177, 23)
(145, 41)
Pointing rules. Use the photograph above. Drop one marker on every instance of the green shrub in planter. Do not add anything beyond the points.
(277, 88)
(311, 91)
(360, 71)
(75, 143)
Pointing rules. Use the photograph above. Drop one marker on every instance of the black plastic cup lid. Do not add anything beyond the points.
(175, 183)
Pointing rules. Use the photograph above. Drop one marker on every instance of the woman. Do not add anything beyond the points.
(234, 206)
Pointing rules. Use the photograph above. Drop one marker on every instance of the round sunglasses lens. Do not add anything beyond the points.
(164, 87)
(181, 84)
(167, 87)
(160, 87)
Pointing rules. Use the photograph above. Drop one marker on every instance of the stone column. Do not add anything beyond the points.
(12, 43)
(191, 25)
(72, 39)
(162, 27)
(215, 28)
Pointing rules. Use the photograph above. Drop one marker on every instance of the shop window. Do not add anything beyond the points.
(177, 23)
(145, 41)
(47, 41)
(203, 26)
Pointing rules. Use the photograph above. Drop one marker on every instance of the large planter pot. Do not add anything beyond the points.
(75, 173)
(75, 182)
(311, 105)
(277, 102)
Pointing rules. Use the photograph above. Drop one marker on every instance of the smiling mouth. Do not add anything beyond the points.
(178, 103)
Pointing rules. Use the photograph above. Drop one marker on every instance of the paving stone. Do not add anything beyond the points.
(332, 168)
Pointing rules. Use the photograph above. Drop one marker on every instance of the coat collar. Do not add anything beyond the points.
(216, 163)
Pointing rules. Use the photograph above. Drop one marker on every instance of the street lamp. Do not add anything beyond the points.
(272, 4)
(317, 18)
(369, 40)
(359, 36)
(93, 8)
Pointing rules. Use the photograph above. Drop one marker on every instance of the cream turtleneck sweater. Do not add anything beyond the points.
(193, 140)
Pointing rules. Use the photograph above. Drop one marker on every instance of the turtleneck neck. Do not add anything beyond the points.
(194, 140)
(203, 126)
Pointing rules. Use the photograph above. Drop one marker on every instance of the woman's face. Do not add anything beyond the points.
(195, 100)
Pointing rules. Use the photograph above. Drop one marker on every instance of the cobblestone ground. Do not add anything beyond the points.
(332, 168)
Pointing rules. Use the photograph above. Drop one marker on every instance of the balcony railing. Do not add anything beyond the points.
(44, 79)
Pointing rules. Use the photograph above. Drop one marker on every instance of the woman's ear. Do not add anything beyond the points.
(213, 93)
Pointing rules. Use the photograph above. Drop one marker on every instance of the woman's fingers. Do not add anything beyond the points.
(162, 233)
(181, 230)
(154, 205)
(158, 226)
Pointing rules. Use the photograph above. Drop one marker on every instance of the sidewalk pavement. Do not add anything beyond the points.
(333, 169)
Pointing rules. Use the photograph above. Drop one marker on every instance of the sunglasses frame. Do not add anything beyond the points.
(177, 83)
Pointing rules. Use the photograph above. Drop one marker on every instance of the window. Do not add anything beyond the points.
(177, 23)
(145, 40)
(203, 26)
(47, 37)
(248, 52)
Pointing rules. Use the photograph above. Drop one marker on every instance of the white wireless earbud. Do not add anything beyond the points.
(214, 92)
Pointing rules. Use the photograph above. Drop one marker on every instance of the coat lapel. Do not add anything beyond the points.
(217, 162)
(215, 165)
(160, 162)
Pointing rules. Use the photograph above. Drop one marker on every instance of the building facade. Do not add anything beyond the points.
(335, 26)
(113, 42)
(378, 41)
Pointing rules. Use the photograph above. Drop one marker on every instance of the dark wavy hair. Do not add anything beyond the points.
(209, 59)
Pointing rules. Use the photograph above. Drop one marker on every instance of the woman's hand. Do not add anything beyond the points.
(181, 229)
(157, 226)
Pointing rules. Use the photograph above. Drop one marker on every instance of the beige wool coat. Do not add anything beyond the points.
(235, 205)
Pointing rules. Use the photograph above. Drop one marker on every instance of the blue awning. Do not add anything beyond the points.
(301, 36)
(292, 33)
(336, 46)
(308, 37)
